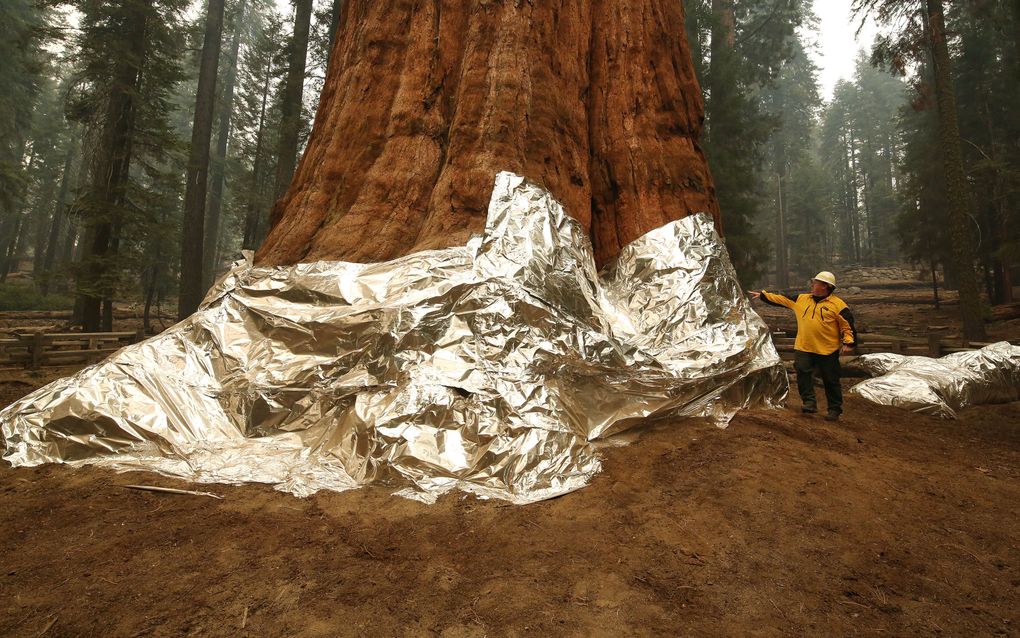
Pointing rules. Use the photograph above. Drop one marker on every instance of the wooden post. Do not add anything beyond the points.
(36, 350)
(934, 345)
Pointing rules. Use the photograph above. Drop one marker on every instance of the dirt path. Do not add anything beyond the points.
(887, 523)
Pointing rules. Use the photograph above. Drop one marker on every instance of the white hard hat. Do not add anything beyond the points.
(826, 277)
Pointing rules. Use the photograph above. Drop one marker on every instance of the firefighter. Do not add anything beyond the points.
(825, 329)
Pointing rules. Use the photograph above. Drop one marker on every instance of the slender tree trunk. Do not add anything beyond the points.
(1016, 39)
(11, 252)
(10, 232)
(59, 213)
(723, 133)
(113, 161)
(212, 217)
(426, 102)
(998, 221)
(256, 213)
(957, 194)
(869, 219)
(782, 268)
(855, 204)
(42, 222)
(193, 235)
(290, 107)
(10, 222)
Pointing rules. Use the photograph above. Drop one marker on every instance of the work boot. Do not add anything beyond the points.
(808, 410)
(832, 416)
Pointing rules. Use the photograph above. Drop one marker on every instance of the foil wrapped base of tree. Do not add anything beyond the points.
(492, 368)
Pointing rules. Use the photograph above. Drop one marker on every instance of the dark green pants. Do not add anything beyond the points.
(827, 366)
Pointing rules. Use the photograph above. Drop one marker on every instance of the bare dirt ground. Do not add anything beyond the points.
(886, 523)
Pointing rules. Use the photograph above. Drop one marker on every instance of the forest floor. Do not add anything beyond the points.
(885, 523)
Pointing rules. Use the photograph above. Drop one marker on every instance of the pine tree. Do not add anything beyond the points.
(258, 118)
(129, 63)
(739, 50)
(799, 228)
(193, 234)
(219, 159)
(291, 103)
(24, 29)
(925, 31)
(986, 71)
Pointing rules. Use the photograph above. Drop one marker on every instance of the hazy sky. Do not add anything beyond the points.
(837, 47)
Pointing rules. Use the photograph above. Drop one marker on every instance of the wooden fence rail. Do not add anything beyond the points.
(37, 349)
(868, 343)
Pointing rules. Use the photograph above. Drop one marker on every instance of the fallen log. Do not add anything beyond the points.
(1005, 312)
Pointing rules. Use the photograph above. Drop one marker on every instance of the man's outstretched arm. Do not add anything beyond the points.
(773, 299)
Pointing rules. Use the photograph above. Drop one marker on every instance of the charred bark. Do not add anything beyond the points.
(425, 102)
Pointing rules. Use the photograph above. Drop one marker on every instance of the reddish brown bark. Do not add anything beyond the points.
(426, 101)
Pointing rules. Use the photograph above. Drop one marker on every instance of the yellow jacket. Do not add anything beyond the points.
(823, 323)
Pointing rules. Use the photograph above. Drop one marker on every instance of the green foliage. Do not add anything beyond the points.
(736, 67)
(21, 28)
(986, 67)
(22, 295)
(861, 147)
(988, 90)
(140, 72)
(796, 185)
(861, 178)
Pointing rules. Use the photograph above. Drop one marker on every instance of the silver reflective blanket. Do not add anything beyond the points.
(942, 386)
(490, 368)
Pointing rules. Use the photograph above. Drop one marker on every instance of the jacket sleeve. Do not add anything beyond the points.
(772, 299)
(847, 329)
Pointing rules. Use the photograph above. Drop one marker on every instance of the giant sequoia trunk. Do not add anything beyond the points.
(424, 102)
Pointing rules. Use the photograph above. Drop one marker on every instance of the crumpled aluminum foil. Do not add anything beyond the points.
(942, 386)
(491, 368)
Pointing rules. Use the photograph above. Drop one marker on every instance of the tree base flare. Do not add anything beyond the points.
(488, 368)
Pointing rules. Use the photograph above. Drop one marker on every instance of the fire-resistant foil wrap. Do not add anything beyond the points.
(490, 368)
(942, 386)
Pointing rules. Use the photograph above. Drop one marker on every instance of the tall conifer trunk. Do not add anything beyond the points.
(426, 102)
(957, 195)
(57, 222)
(290, 107)
(112, 164)
(254, 219)
(193, 234)
(216, 178)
